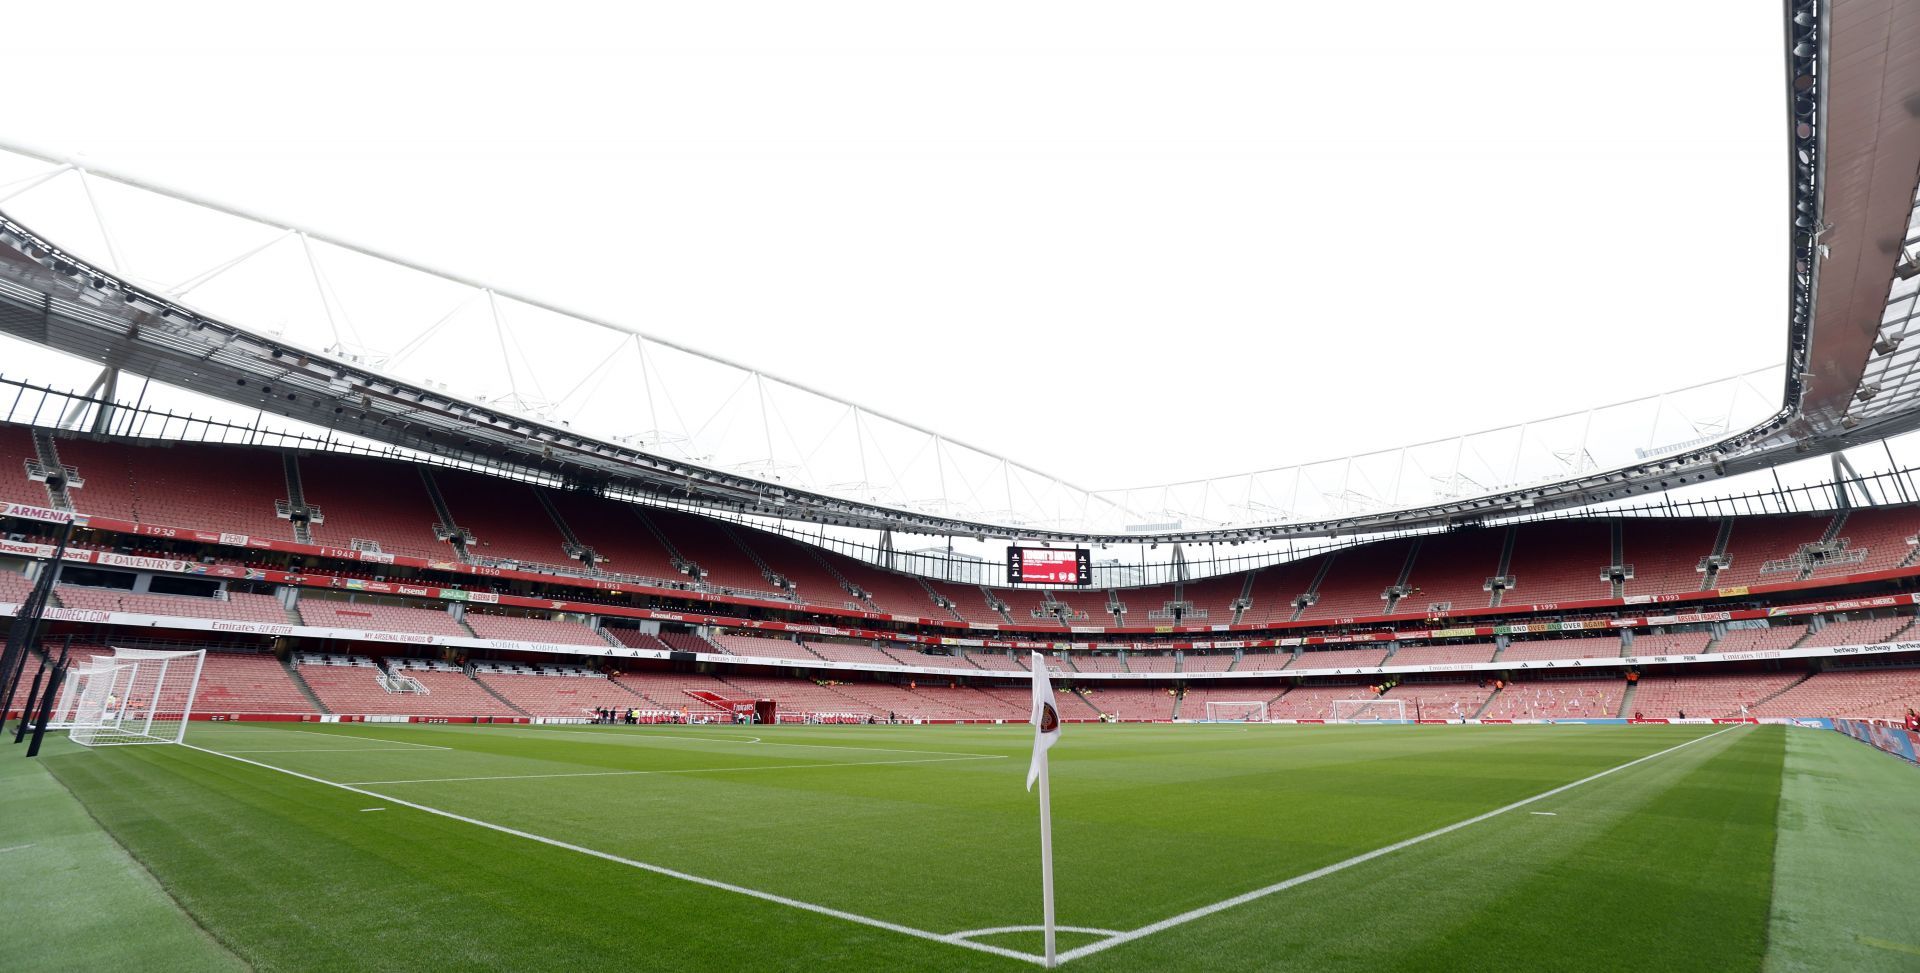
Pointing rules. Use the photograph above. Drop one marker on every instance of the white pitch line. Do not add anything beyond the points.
(16, 848)
(1207, 910)
(355, 736)
(655, 869)
(810, 746)
(336, 750)
(694, 770)
(999, 930)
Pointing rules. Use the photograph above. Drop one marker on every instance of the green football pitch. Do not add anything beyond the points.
(1202, 847)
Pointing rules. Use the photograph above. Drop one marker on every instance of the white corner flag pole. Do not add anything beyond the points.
(1046, 732)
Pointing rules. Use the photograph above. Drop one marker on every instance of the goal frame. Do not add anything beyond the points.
(135, 696)
(1256, 711)
(1341, 708)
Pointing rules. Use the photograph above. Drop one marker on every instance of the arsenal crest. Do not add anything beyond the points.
(1049, 719)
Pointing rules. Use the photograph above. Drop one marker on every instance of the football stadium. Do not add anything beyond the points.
(426, 582)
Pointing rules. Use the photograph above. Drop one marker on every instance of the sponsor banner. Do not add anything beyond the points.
(1900, 742)
(21, 549)
(111, 560)
(47, 514)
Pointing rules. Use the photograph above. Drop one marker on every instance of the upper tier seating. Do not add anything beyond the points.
(840, 652)
(1221, 661)
(633, 638)
(524, 629)
(1665, 552)
(705, 543)
(615, 531)
(375, 500)
(16, 448)
(505, 518)
(1452, 570)
(236, 607)
(1758, 540)
(1255, 660)
(910, 655)
(1274, 589)
(1429, 655)
(1881, 534)
(688, 642)
(108, 474)
(969, 601)
(1353, 586)
(375, 617)
(1144, 662)
(1560, 561)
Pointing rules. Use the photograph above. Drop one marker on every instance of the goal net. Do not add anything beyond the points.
(1368, 711)
(1231, 712)
(132, 696)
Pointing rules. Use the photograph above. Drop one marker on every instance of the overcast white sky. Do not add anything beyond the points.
(1249, 234)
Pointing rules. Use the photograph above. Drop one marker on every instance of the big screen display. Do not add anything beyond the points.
(1049, 565)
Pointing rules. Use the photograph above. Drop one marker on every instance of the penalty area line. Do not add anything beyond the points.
(1340, 866)
(752, 893)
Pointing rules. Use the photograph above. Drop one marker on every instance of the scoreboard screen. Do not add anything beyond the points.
(1048, 565)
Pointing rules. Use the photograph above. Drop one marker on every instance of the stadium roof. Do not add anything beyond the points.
(395, 350)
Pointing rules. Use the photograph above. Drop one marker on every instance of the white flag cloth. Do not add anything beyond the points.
(1045, 716)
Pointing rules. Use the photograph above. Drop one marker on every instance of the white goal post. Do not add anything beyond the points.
(133, 696)
(1236, 712)
(1375, 710)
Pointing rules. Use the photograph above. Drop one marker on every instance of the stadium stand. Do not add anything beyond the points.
(669, 690)
(1354, 583)
(1760, 543)
(371, 500)
(1605, 646)
(16, 451)
(688, 642)
(1441, 700)
(505, 518)
(1429, 655)
(1760, 639)
(1301, 702)
(765, 648)
(1452, 569)
(220, 488)
(232, 682)
(1222, 661)
(1557, 699)
(1883, 694)
(1340, 658)
(1879, 536)
(1275, 588)
(1557, 561)
(615, 532)
(842, 652)
(523, 629)
(14, 588)
(373, 616)
(560, 695)
(1663, 695)
(1253, 660)
(235, 607)
(633, 638)
(705, 542)
(1131, 702)
(1647, 644)
(1664, 553)
(1866, 631)
(1155, 662)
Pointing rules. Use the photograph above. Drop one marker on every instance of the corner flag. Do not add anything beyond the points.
(1045, 716)
(1046, 733)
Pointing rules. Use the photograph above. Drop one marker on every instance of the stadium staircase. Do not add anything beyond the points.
(1245, 601)
(293, 673)
(1711, 565)
(1306, 599)
(780, 582)
(1502, 579)
(1827, 545)
(1500, 648)
(999, 607)
(680, 561)
(1762, 701)
(940, 601)
(862, 598)
(52, 474)
(1626, 701)
(1485, 704)
(1618, 570)
(294, 508)
(1097, 711)
(447, 530)
(1178, 698)
(570, 541)
(1400, 589)
(495, 693)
